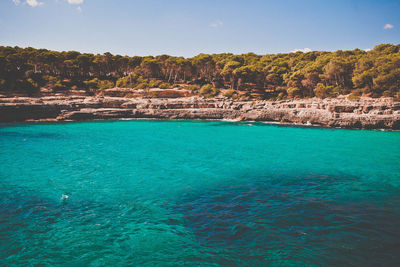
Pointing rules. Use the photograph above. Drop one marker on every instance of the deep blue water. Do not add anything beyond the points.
(176, 193)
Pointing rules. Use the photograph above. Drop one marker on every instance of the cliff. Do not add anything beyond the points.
(365, 113)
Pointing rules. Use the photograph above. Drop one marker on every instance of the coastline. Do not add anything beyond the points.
(364, 113)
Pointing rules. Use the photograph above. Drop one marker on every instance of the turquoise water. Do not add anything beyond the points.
(177, 193)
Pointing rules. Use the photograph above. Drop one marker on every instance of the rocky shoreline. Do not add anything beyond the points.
(364, 113)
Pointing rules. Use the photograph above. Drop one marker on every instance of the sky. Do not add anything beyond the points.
(189, 27)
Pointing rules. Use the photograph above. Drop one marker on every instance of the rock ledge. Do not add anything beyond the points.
(365, 113)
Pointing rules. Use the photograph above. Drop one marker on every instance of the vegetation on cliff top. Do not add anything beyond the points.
(293, 75)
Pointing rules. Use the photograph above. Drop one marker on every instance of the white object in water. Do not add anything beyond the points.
(63, 196)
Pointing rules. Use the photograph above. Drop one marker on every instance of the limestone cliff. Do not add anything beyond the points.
(365, 113)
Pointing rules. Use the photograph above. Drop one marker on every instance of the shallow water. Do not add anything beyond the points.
(198, 193)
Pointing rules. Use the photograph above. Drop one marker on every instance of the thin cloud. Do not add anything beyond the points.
(216, 24)
(388, 26)
(79, 9)
(16, 2)
(34, 3)
(304, 50)
(75, 2)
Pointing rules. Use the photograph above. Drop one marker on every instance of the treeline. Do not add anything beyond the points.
(323, 74)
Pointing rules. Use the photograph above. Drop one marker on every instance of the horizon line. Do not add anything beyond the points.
(304, 50)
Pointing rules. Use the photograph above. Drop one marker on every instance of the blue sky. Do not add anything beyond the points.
(187, 28)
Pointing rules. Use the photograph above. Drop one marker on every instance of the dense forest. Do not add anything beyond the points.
(292, 75)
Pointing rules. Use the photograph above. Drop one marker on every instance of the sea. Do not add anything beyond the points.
(197, 193)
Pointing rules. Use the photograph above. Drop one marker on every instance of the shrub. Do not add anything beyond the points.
(293, 91)
(353, 96)
(129, 81)
(193, 87)
(28, 85)
(337, 90)
(54, 82)
(105, 84)
(98, 84)
(92, 84)
(387, 93)
(323, 91)
(154, 83)
(208, 91)
(165, 85)
(59, 86)
(143, 85)
(231, 94)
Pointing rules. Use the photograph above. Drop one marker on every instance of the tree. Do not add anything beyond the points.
(319, 73)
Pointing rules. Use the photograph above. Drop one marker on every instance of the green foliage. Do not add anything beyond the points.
(105, 84)
(208, 90)
(32, 84)
(129, 81)
(143, 85)
(387, 93)
(139, 82)
(231, 94)
(165, 85)
(159, 84)
(323, 91)
(59, 86)
(193, 87)
(92, 84)
(98, 84)
(154, 83)
(318, 73)
(293, 92)
(55, 83)
(353, 96)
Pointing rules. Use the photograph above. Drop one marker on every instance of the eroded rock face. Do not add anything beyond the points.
(365, 113)
(95, 113)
